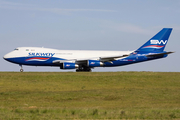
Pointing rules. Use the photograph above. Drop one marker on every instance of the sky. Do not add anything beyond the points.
(118, 25)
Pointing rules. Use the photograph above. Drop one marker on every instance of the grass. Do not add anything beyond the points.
(108, 95)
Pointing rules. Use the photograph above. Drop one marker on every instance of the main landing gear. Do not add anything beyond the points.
(21, 70)
(83, 69)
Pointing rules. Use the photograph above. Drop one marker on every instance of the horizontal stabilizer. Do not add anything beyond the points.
(158, 54)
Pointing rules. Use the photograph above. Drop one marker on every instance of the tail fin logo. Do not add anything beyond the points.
(158, 42)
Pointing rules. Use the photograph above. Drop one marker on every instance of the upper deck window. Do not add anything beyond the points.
(16, 49)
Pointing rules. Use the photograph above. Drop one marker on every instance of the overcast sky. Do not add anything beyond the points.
(89, 25)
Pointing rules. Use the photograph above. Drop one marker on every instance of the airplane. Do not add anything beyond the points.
(85, 60)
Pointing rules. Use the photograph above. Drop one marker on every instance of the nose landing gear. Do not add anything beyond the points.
(21, 70)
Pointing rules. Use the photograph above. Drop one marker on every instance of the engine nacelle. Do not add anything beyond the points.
(94, 63)
(68, 66)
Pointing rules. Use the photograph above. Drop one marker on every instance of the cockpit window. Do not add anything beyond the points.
(16, 49)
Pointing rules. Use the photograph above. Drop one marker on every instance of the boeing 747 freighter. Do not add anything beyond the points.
(85, 60)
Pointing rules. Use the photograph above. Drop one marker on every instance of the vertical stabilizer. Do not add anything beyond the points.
(158, 42)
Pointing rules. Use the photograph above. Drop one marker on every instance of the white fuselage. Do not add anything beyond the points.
(64, 54)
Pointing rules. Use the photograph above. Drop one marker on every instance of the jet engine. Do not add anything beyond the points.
(94, 63)
(68, 66)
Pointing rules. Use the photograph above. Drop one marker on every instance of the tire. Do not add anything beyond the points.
(21, 70)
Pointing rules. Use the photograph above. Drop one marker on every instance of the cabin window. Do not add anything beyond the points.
(16, 49)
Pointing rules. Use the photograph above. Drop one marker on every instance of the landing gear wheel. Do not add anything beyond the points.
(88, 70)
(84, 69)
(21, 70)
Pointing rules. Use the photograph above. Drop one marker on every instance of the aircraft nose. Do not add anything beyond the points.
(6, 56)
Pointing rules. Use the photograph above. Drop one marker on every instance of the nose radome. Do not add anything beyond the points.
(6, 56)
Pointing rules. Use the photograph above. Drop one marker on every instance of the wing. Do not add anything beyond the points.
(64, 61)
(85, 61)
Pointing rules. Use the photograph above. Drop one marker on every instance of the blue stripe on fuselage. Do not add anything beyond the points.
(26, 61)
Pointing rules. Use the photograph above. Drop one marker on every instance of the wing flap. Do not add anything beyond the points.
(107, 59)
